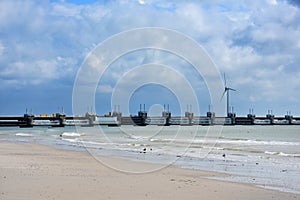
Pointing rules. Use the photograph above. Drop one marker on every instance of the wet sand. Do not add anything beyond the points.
(33, 171)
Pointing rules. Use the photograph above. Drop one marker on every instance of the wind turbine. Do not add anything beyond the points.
(227, 89)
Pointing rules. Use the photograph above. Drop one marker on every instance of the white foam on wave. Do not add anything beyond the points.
(271, 152)
(282, 154)
(136, 137)
(24, 134)
(289, 154)
(225, 141)
(95, 143)
(72, 134)
(180, 140)
(75, 140)
(259, 142)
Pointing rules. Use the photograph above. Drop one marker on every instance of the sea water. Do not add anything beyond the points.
(268, 156)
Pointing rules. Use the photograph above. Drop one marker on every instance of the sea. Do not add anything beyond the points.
(267, 156)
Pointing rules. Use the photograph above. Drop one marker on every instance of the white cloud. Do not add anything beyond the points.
(142, 2)
(66, 10)
(105, 88)
(2, 48)
(272, 2)
(32, 72)
(257, 43)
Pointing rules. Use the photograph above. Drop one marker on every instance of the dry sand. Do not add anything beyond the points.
(32, 171)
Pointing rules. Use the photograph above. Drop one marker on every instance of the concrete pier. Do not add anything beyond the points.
(190, 116)
(91, 117)
(142, 119)
(28, 119)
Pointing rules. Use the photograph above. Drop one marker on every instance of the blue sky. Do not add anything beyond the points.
(79, 2)
(43, 44)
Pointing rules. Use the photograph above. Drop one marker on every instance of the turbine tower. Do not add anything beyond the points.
(227, 89)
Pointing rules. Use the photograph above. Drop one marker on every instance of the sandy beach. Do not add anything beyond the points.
(33, 171)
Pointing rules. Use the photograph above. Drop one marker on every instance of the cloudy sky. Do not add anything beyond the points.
(44, 43)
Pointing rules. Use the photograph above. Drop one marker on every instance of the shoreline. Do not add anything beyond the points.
(35, 171)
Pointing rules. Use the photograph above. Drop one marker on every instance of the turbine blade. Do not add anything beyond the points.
(223, 95)
(225, 82)
(232, 89)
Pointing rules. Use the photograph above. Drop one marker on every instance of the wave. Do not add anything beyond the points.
(283, 154)
(259, 142)
(72, 134)
(75, 140)
(138, 137)
(223, 141)
(24, 134)
(188, 141)
(272, 152)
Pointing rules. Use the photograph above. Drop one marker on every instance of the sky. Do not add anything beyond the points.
(43, 44)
